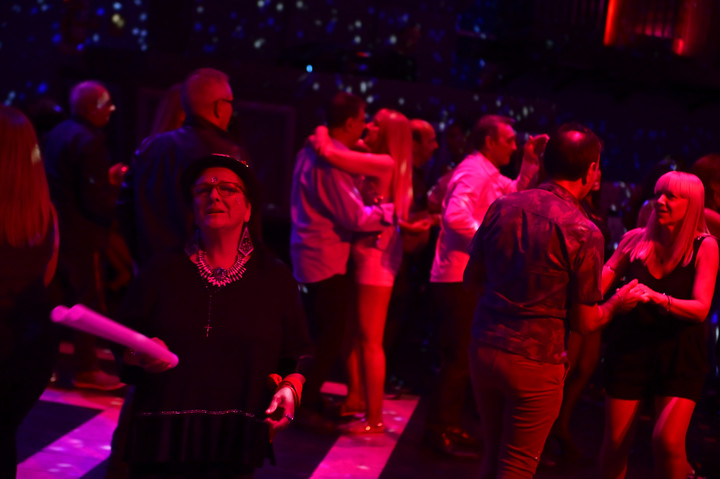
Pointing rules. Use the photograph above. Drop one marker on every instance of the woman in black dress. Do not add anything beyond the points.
(658, 351)
(232, 314)
(28, 256)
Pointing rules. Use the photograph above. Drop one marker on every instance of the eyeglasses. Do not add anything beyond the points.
(224, 188)
(230, 102)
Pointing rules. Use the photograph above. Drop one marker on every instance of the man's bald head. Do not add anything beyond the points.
(206, 93)
(91, 100)
(424, 141)
(570, 152)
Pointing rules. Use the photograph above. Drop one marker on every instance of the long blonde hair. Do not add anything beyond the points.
(395, 139)
(641, 242)
(25, 208)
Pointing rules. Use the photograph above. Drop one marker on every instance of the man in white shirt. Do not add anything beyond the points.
(326, 209)
(475, 184)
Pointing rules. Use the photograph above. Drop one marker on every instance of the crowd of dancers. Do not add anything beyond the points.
(521, 272)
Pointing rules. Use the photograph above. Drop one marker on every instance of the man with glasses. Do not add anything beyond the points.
(83, 186)
(154, 216)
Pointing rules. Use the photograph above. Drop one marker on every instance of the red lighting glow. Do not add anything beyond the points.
(610, 23)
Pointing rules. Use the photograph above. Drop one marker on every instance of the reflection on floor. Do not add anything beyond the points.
(83, 448)
(67, 435)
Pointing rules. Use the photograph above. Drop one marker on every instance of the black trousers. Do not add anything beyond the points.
(24, 374)
(456, 306)
(328, 305)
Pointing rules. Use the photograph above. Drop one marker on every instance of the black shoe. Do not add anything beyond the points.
(395, 389)
(313, 421)
(446, 444)
(462, 437)
(561, 450)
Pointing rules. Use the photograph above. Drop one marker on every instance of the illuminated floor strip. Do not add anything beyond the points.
(82, 449)
(364, 457)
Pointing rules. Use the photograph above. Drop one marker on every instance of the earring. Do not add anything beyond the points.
(245, 247)
(193, 244)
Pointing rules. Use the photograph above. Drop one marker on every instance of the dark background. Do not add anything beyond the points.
(644, 74)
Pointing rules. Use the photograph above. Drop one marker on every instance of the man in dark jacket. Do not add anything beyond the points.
(84, 188)
(153, 212)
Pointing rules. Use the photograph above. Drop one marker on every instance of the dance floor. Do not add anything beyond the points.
(67, 435)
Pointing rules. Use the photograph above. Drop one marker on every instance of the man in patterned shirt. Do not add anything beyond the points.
(538, 260)
(474, 185)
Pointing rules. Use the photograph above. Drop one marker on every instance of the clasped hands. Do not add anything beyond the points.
(634, 292)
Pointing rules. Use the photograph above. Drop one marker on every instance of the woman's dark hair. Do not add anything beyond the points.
(707, 169)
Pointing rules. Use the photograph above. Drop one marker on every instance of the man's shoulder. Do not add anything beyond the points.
(471, 163)
(307, 159)
(545, 203)
(306, 153)
(475, 168)
(567, 214)
(165, 138)
(528, 198)
(65, 131)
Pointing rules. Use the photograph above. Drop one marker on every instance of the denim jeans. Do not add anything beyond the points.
(518, 400)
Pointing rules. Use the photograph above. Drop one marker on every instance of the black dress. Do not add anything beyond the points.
(28, 339)
(208, 411)
(651, 353)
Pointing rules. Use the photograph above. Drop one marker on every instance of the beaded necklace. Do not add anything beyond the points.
(220, 277)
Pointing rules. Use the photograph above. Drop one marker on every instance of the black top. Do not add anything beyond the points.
(219, 391)
(77, 164)
(24, 307)
(657, 346)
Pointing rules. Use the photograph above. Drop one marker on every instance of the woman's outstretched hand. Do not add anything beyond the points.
(281, 411)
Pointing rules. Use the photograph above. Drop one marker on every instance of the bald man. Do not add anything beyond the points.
(84, 187)
(424, 146)
(153, 212)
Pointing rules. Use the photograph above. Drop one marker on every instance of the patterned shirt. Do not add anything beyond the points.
(540, 254)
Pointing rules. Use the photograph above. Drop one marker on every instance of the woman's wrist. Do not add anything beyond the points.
(666, 302)
(293, 382)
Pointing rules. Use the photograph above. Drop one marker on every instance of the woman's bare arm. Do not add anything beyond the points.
(697, 307)
(353, 162)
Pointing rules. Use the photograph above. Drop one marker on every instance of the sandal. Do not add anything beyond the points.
(364, 427)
